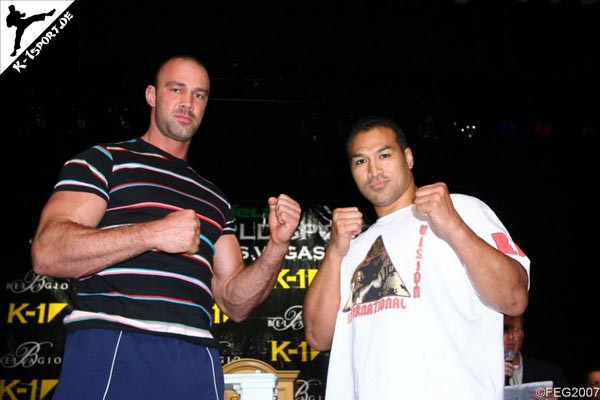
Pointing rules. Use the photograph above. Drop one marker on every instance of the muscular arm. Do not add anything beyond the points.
(322, 302)
(68, 244)
(322, 299)
(500, 281)
(239, 289)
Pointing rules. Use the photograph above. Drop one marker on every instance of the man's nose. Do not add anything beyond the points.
(374, 169)
(187, 102)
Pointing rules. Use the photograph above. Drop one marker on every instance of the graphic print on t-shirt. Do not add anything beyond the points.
(375, 277)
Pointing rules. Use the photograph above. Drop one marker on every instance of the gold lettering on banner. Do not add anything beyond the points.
(25, 313)
(283, 351)
(36, 389)
(299, 280)
(219, 317)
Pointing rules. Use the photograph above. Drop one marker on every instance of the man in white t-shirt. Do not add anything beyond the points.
(413, 307)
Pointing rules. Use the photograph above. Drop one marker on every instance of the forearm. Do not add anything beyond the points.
(500, 281)
(65, 249)
(253, 284)
(322, 303)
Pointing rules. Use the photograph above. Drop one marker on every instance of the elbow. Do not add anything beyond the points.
(319, 322)
(45, 263)
(38, 260)
(518, 304)
(518, 296)
(315, 341)
(238, 317)
(233, 312)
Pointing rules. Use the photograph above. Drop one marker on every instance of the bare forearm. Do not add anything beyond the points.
(500, 280)
(65, 249)
(322, 302)
(253, 284)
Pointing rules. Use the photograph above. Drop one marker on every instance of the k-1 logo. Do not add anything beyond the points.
(26, 313)
(284, 351)
(36, 389)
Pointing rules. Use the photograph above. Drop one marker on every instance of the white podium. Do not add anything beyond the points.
(253, 386)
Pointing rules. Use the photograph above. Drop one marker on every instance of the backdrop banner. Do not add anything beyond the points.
(34, 306)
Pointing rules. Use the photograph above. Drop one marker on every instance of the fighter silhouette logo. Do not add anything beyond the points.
(17, 19)
(375, 277)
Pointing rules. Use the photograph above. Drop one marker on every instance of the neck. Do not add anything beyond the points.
(407, 199)
(175, 148)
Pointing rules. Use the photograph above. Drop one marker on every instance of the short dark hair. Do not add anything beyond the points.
(367, 123)
(173, 57)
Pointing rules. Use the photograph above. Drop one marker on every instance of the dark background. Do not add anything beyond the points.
(288, 78)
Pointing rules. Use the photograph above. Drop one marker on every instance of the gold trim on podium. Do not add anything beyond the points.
(286, 379)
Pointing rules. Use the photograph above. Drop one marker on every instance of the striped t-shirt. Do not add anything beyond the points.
(155, 292)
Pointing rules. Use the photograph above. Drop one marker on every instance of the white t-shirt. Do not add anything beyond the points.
(410, 324)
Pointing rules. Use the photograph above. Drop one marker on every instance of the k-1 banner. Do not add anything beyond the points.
(34, 306)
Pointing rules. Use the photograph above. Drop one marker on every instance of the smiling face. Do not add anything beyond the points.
(381, 170)
(179, 98)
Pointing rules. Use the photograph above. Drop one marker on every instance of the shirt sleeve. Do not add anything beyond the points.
(88, 171)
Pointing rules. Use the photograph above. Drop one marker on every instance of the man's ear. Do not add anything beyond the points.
(409, 157)
(151, 95)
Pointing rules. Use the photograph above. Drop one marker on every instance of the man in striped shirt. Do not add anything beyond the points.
(150, 246)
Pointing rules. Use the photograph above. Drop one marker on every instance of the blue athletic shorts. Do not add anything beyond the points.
(104, 364)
